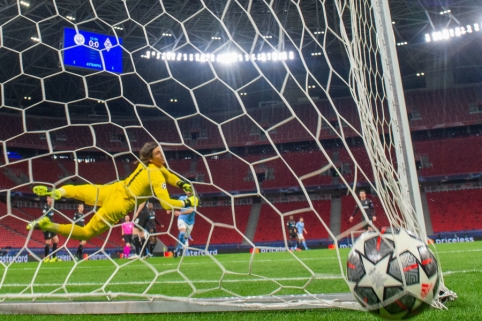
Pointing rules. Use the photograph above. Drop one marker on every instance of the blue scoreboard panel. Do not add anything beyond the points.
(84, 49)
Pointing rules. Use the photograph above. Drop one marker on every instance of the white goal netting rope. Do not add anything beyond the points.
(278, 67)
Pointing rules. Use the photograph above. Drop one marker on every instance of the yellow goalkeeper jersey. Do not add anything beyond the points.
(151, 180)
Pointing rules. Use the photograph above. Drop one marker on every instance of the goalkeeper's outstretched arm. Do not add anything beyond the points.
(173, 180)
(160, 190)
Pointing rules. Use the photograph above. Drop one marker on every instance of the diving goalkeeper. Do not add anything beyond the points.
(116, 200)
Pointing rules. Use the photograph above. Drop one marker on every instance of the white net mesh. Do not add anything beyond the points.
(269, 108)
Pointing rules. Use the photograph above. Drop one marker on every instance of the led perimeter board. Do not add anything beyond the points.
(84, 49)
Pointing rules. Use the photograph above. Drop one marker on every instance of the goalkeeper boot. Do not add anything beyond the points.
(42, 190)
(46, 260)
(53, 260)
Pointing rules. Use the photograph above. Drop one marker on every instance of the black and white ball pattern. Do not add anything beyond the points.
(392, 273)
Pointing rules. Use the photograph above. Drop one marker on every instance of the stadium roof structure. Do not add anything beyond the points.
(145, 24)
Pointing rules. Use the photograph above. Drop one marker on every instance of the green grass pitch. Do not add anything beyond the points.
(461, 263)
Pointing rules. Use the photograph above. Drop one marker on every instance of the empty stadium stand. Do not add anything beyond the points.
(428, 109)
(455, 210)
(450, 156)
(438, 157)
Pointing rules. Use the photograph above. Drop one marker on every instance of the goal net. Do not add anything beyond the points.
(270, 109)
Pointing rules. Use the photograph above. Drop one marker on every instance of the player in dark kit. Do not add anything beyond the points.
(151, 226)
(80, 221)
(50, 237)
(144, 218)
(292, 233)
(369, 208)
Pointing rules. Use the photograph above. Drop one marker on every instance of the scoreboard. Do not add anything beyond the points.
(85, 49)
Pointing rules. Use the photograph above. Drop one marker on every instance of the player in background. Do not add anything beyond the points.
(300, 228)
(151, 227)
(185, 224)
(138, 238)
(189, 239)
(127, 228)
(369, 208)
(80, 221)
(116, 200)
(48, 211)
(292, 233)
(144, 218)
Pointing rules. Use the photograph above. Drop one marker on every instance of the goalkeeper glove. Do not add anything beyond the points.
(185, 186)
(191, 201)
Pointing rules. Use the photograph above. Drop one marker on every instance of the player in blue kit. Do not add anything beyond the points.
(185, 224)
(300, 227)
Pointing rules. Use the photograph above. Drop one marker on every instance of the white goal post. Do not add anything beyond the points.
(398, 113)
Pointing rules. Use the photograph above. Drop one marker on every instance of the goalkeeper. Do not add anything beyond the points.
(116, 200)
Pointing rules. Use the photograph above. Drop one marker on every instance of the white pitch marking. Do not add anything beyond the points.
(224, 262)
(474, 250)
(176, 264)
(462, 271)
(317, 277)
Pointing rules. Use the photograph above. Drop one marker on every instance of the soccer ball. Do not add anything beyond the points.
(392, 273)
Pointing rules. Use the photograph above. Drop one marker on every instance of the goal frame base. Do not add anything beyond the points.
(265, 303)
